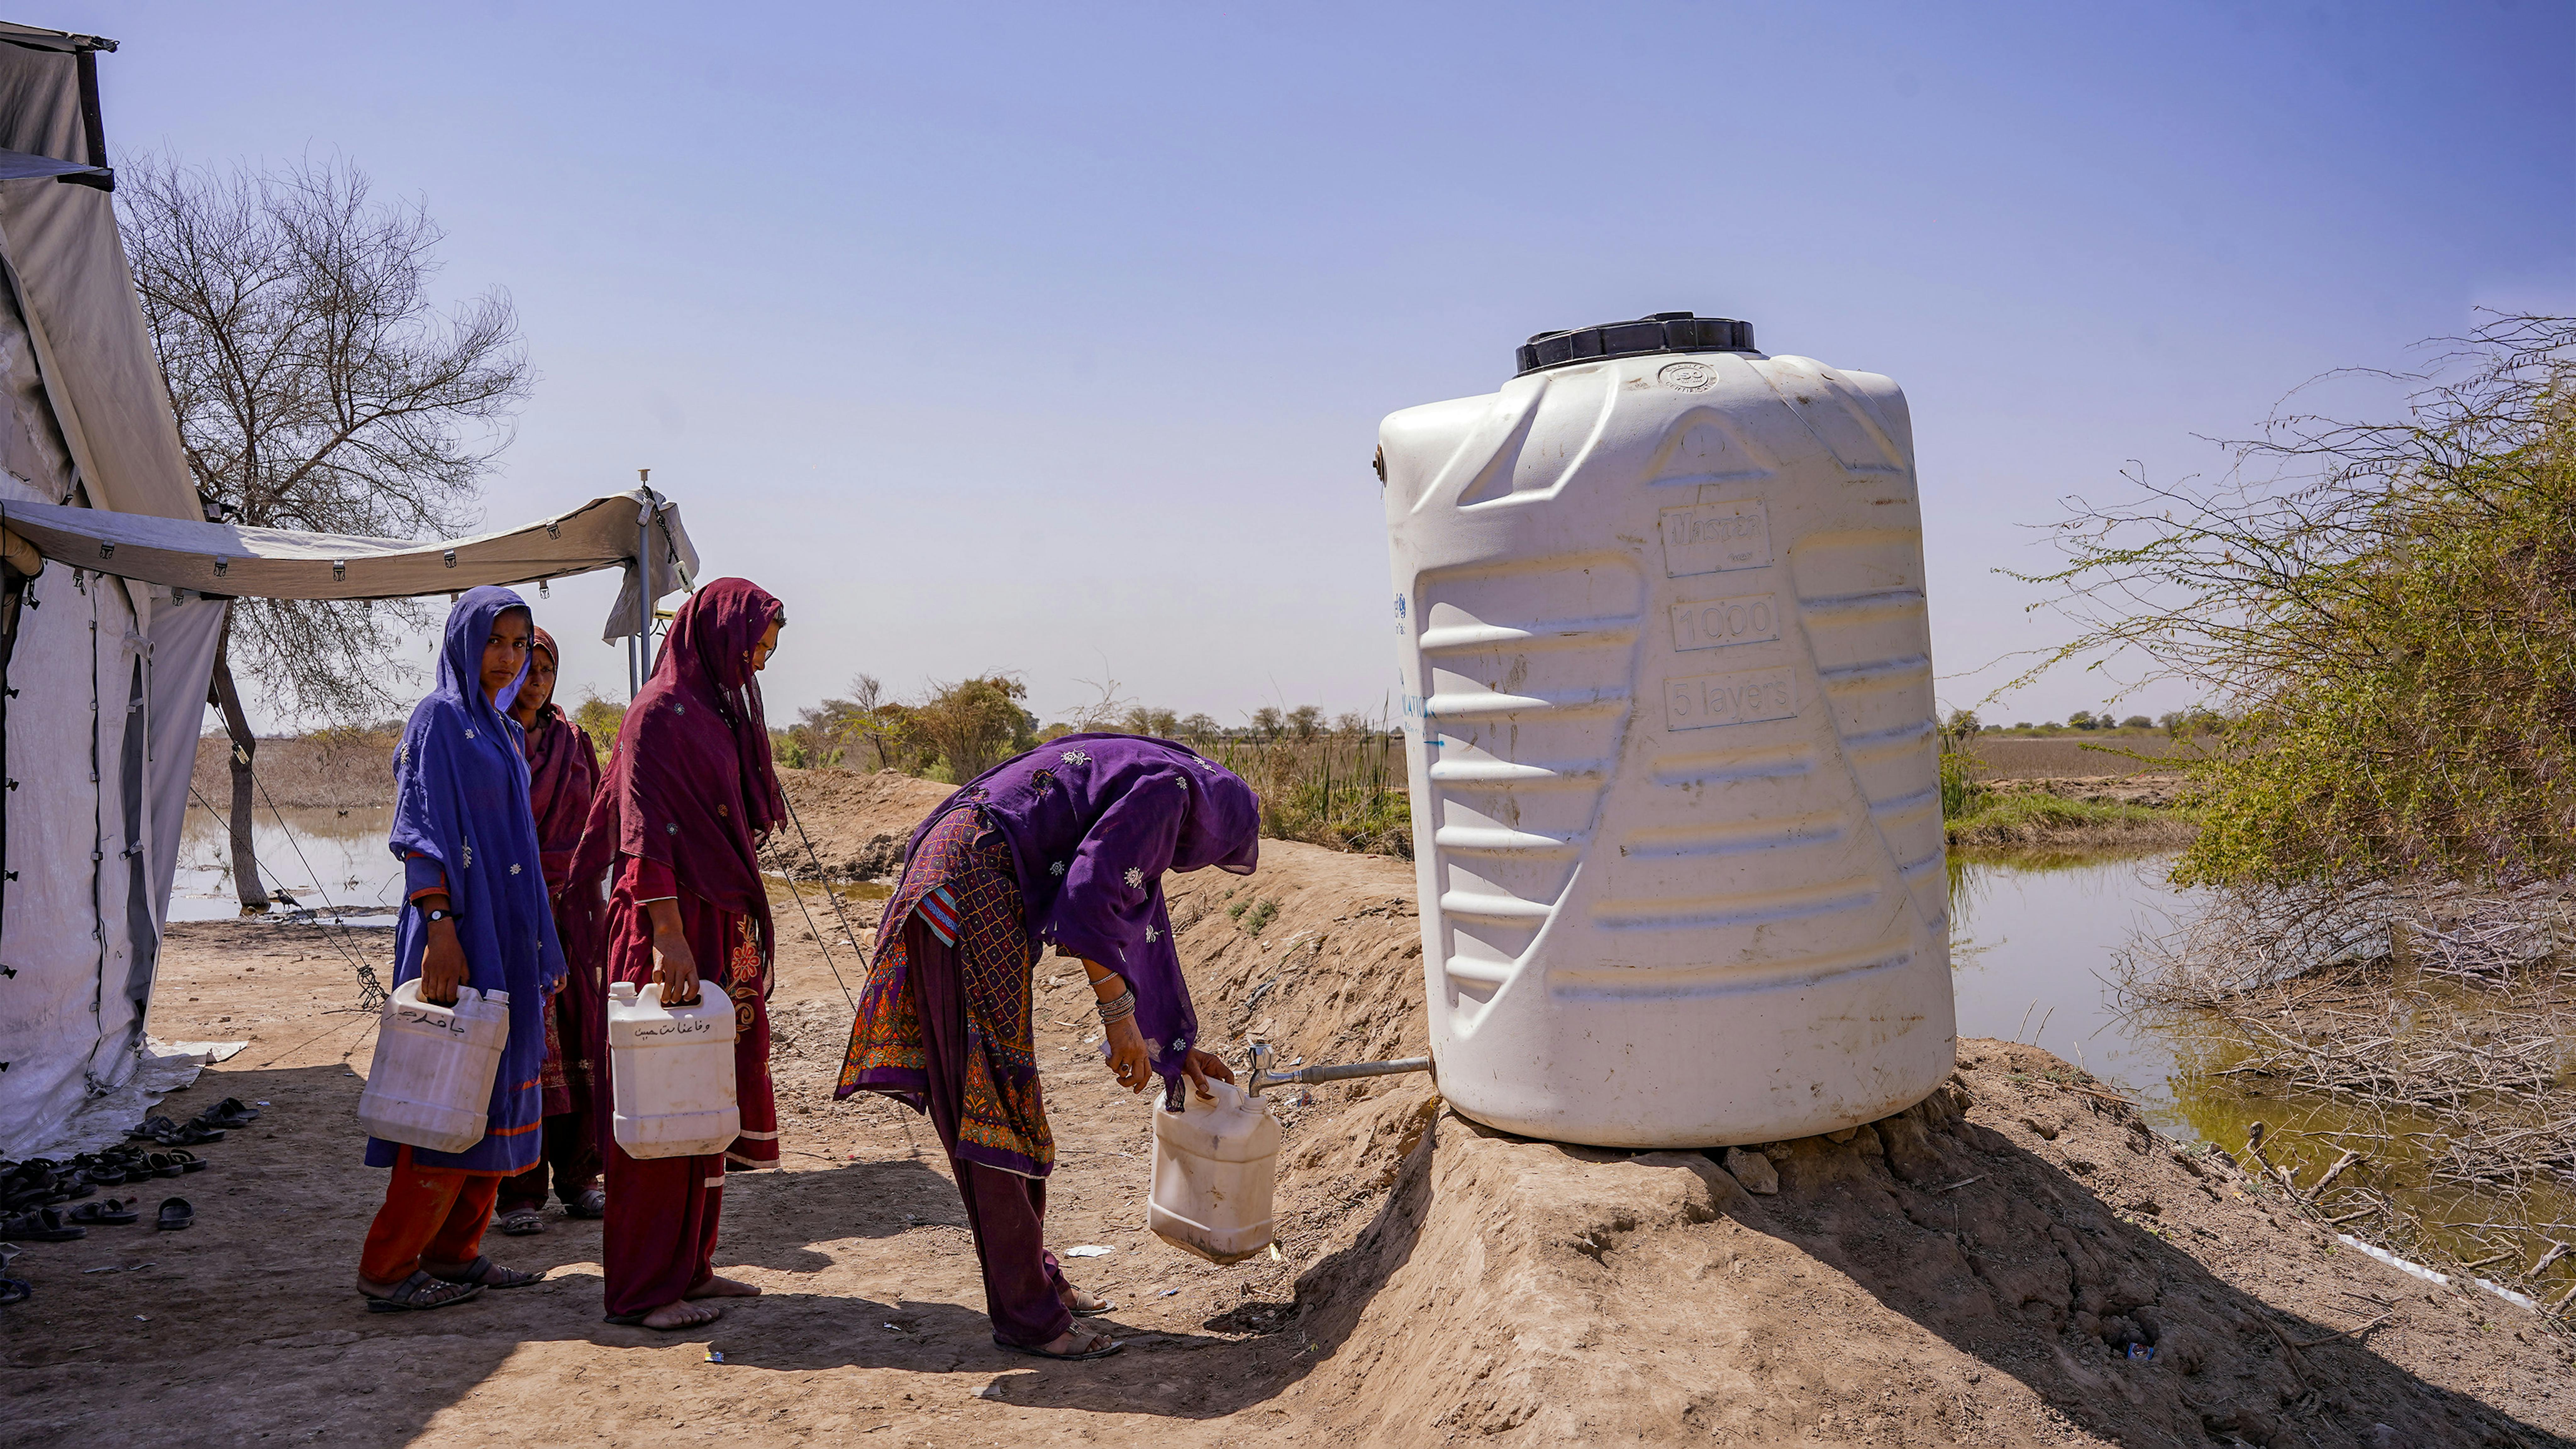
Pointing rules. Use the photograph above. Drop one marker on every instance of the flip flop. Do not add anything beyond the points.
(1113, 1347)
(107, 1211)
(230, 1112)
(175, 1214)
(188, 1161)
(163, 1164)
(419, 1293)
(521, 1222)
(484, 1273)
(591, 1203)
(151, 1129)
(45, 1225)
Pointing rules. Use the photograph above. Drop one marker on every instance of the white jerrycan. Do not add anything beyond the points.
(1668, 700)
(1214, 1164)
(431, 1082)
(671, 1073)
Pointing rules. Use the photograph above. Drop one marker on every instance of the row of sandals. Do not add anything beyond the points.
(34, 1193)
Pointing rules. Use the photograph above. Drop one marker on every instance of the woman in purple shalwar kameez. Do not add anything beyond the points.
(1064, 846)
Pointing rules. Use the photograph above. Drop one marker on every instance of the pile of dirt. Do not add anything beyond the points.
(858, 823)
(2016, 1261)
(2145, 792)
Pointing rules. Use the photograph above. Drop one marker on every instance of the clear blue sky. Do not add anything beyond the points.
(1055, 338)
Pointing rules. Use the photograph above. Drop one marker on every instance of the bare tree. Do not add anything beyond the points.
(316, 386)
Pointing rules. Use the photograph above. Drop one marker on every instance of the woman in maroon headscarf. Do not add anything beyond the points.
(563, 775)
(677, 830)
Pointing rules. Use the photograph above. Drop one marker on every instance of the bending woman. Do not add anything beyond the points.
(563, 775)
(690, 793)
(1063, 846)
(478, 917)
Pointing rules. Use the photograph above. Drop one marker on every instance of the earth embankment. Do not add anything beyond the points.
(2018, 1260)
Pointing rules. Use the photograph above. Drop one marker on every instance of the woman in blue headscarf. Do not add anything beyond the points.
(478, 916)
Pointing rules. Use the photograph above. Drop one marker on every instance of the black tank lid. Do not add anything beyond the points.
(1662, 332)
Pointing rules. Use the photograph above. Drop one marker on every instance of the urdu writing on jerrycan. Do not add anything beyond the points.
(1668, 701)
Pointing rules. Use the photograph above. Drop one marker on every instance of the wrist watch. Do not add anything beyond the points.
(440, 914)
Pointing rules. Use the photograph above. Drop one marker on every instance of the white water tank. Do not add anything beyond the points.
(1668, 701)
(430, 1084)
(671, 1075)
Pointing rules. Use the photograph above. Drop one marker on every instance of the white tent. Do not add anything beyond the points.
(106, 649)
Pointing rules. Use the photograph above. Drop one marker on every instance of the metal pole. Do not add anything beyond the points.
(644, 582)
(1259, 1075)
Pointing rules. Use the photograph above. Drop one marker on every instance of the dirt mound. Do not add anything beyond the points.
(2147, 792)
(858, 823)
(2016, 1260)
(1973, 1271)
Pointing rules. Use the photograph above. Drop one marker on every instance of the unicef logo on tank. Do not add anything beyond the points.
(1688, 376)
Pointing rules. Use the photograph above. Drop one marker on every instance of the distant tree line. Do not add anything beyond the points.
(955, 730)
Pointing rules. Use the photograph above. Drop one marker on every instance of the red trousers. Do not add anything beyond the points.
(660, 1238)
(437, 1213)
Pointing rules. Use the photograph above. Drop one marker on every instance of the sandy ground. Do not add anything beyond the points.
(1970, 1272)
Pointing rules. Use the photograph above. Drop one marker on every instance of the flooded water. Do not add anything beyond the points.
(326, 859)
(2035, 943)
(2033, 938)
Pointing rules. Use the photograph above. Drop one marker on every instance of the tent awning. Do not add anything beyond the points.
(19, 166)
(274, 563)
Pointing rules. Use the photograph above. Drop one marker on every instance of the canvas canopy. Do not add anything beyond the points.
(115, 596)
(275, 563)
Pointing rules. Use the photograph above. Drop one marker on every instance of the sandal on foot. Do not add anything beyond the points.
(105, 1211)
(44, 1225)
(420, 1292)
(590, 1202)
(520, 1222)
(1110, 1346)
(484, 1273)
(174, 1215)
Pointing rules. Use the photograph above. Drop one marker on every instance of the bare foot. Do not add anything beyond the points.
(682, 1314)
(1085, 1303)
(722, 1287)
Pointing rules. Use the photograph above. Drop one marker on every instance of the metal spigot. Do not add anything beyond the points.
(1258, 1074)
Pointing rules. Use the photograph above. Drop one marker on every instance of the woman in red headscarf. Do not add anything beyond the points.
(563, 776)
(676, 831)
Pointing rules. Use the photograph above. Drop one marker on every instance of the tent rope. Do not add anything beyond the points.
(911, 1147)
(849, 932)
(371, 987)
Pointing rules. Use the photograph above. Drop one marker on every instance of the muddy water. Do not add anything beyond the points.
(2036, 941)
(2033, 941)
(326, 859)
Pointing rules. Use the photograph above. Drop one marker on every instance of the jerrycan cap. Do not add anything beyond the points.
(1662, 332)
